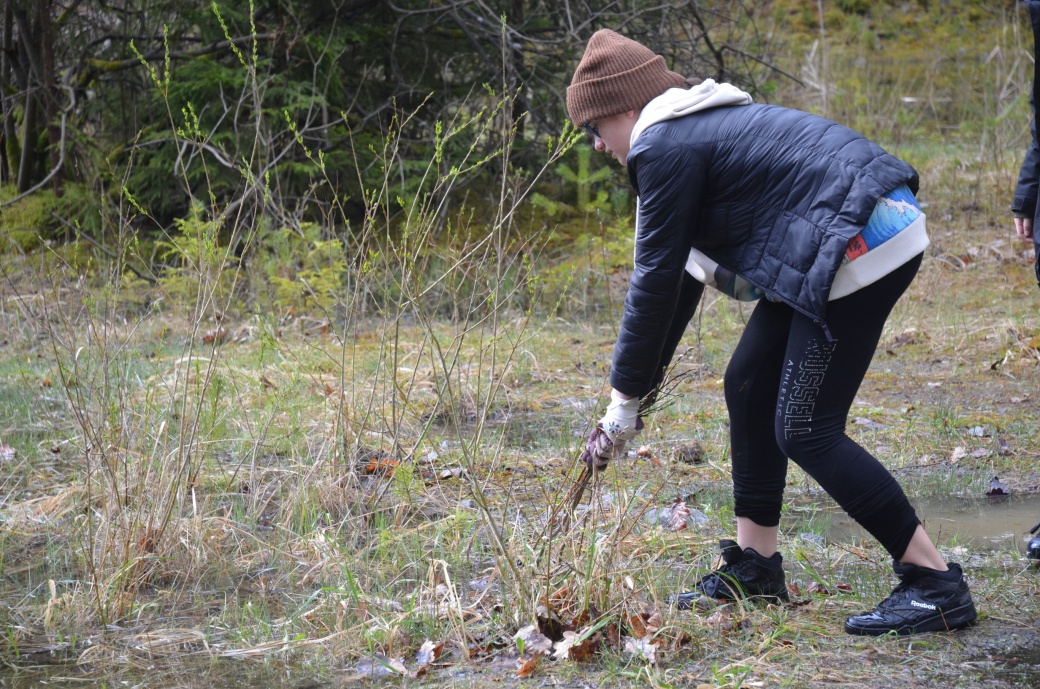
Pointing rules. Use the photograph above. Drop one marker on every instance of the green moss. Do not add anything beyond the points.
(26, 221)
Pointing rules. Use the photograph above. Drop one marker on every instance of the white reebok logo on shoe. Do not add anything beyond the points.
(926, 606)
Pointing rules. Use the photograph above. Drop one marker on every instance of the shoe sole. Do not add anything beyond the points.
(697, 600)
(958, 618)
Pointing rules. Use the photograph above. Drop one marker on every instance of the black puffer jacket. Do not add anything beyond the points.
(771, 193)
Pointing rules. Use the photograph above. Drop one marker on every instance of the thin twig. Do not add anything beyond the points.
(578, 489)
(100, 247)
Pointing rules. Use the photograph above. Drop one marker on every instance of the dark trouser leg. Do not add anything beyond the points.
(1036, 252)
(821, 379)
(789, 391)
(752, 385)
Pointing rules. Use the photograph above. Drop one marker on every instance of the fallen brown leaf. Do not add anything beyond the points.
(680, 516)
(645, 624)
(429, 652)
(383, 466)
(641, 648)
(722, 620)
(818, 588)
(534, 641)
(218, 336)
(578, 646)
(525, 666)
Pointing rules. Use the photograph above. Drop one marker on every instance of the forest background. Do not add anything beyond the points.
(306, 306)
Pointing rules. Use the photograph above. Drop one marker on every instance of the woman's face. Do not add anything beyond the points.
(615, 134)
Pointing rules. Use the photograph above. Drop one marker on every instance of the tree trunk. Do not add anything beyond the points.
(25, 164)
(520, 103)
(10, 153)
(50, 92)
(33, 160)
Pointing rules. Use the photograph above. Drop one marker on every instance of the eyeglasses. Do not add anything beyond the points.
(591, 130)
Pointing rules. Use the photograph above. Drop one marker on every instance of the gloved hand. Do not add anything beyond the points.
(620, 424)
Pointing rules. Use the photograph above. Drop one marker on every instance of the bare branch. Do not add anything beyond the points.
(101, 247)
(106, 66)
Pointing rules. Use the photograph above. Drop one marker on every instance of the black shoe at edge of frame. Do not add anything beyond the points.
(744, 574)
(1033, 549)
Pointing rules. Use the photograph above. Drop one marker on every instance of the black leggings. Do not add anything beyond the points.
(789, 391)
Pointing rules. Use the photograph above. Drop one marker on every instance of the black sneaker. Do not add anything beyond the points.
(744, 574)
(1033, 549)
(925, 601)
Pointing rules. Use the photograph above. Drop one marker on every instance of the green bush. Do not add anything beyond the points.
(303, 269)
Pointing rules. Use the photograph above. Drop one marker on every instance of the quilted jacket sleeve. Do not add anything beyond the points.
(661, 297)
(1024, 202)
(690, 292)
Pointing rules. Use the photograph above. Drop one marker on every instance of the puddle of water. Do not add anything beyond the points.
(521, 430)
(1018, 666)
(159, 673)
(983, 524)
(1019, 677)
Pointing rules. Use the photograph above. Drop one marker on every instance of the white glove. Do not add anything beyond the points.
(621, 422)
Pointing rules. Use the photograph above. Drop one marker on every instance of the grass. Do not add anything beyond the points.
(285, 548)
(320, 473)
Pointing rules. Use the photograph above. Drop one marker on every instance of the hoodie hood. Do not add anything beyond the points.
(679, 102)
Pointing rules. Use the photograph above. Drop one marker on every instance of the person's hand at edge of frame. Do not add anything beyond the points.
(1024, 228)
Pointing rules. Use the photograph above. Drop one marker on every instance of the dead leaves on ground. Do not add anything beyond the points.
(676, 517)
(533, 646)
(531, 640)
(379, 463)
(428, 654)
(217, 337)
(635, 634)
(573, 645)
(1025, 348)
(906, 338)
(1000, 444)
(814, 591)
(680, 515)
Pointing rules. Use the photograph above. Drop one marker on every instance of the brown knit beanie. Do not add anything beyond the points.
(616, 75)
